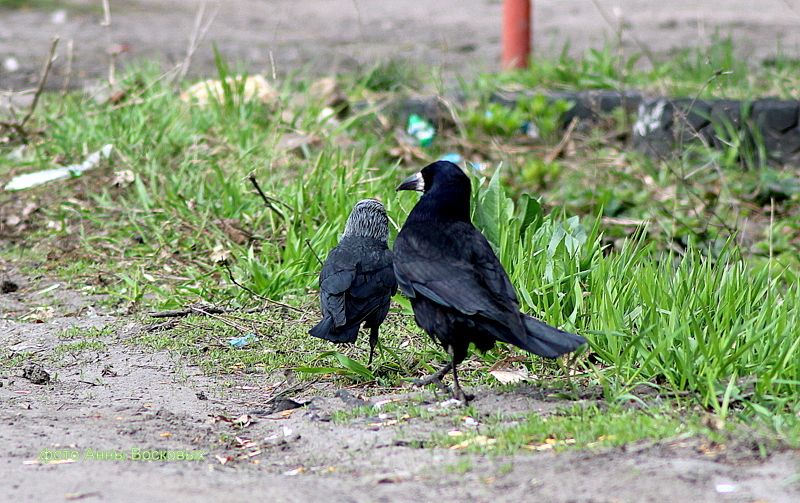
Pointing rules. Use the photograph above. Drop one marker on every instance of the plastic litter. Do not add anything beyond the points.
(452, 157)
(239, 342)
(420, 129)
(726, 488)
(529, 129)
(39, 177)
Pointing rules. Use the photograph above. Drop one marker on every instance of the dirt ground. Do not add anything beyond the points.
(120, 400)
(121, 397)
(324, 36)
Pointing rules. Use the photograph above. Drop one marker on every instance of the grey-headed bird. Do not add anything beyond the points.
(357, 281)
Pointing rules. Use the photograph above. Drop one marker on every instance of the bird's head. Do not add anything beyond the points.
(439, 174)
(368, 219)
(446, 187)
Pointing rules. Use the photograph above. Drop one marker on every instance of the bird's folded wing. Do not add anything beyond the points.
(477, 286)
(374, 278)
(336, 277)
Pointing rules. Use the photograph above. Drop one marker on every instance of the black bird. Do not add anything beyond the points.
(357, 281)
(458, 288)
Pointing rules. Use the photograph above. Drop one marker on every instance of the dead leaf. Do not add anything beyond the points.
(29, 208)
(328, 92)
(220, 254)
(244, 421)
(223, 459)
(510, 376)
(506, 373)
(549, 444)
(245, 443)
(507, 361)
(479, 440)
(234, 230)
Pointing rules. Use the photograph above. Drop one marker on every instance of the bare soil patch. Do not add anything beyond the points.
(115, 397)
(328, 36)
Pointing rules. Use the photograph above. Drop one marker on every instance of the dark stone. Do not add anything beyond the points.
(36, 374)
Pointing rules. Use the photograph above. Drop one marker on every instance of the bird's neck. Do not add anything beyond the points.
(443, 204)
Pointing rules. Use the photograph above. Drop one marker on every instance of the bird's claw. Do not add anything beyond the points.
(464, 397)
(434, 379)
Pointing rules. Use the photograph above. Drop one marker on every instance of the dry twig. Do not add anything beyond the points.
(251, 292)
(19, 126)
(198, 34)
(563, 143)
(268, 200)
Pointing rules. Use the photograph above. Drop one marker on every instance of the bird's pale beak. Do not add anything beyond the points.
(413, 182)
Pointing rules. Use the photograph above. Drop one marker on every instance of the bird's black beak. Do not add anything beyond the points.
(413, 182)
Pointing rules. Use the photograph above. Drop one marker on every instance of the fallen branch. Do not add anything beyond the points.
(203, 310)
(240, 328)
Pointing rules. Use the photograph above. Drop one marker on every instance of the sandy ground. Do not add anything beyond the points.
(106, 406)
(125, 401)
(122, 398)
(324, 36)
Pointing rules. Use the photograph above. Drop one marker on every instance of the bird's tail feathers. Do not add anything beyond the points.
(547, 341)
(325, 330)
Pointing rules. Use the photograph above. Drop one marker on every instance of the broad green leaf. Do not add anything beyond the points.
(351, 365)
(530, 212)
(493, 211)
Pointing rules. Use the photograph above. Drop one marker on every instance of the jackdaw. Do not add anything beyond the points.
(357, 281)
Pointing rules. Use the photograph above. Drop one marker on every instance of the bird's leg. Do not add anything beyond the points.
(435, 379)
(459, 393)
(373, 341)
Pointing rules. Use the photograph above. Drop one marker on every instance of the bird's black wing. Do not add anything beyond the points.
(356, 279)
(456, 267)
(374, 283)
(335, 279)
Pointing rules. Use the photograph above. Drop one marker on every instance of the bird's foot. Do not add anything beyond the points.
(433, 379)
(464, 397)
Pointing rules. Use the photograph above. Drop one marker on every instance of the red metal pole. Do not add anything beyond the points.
(516, 33)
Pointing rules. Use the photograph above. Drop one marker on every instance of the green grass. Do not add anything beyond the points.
(682, 273)
(87, 333)
(713, 71)
(599, 429)
(48, 5)
(76, 348)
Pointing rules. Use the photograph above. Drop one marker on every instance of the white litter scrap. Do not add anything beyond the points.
(726, 488)
(39, 177)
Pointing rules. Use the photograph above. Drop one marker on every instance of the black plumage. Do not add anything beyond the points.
(458, 288)
(357, 281)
